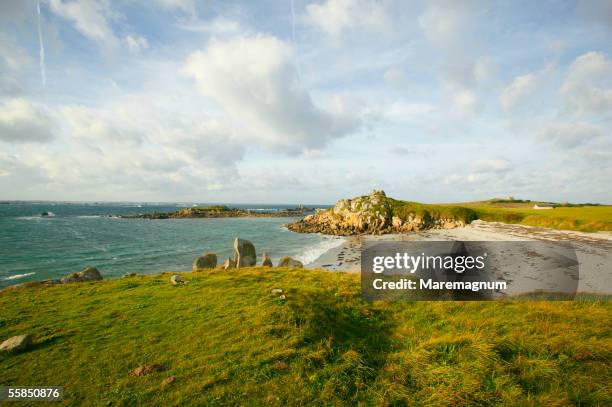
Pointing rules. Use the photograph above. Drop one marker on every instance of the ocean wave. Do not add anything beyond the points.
(88, 216)
(311, 253)
(16, 276)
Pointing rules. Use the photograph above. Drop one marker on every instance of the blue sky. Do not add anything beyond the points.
(305, 101)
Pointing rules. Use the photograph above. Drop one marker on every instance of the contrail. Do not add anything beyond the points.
(43, 75)
(297, 62)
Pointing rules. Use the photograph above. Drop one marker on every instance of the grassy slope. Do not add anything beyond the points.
(583, 218)
(227, 339)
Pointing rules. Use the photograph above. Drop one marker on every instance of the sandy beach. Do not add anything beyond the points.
(593, 250)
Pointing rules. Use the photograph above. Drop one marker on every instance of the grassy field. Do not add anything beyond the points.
(581, 218)
(228, 340)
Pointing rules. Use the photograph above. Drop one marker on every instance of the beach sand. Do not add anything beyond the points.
(593, 250)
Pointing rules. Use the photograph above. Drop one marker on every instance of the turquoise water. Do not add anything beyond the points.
(33, 247)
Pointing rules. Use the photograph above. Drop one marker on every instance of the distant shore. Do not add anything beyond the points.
(221, 211)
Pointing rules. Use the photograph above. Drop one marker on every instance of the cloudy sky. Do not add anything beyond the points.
(305, 101)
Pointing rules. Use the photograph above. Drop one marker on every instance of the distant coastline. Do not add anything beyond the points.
(222, 211)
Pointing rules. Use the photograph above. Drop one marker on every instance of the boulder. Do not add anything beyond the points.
(244, 253)
(146, 369)
(276, 291)
(266, 261)
(289, 262)
(176, 279)
(208, 261)
(168, 380)
(229, 264)
(88, 274)
(16, 343)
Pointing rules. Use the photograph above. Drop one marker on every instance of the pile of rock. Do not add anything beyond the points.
(244, 256)
(370, 214)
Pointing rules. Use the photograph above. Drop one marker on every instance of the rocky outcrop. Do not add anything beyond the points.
(289, 262)
(177, 280)
(266, 261)
(244, 253)
(146, 370)
(88, 274)
(372, 214)
(229, 264)
(16, 343)
(207, 261)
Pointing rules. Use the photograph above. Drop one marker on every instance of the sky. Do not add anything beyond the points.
(305, 101)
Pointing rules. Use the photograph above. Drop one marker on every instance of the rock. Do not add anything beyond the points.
(128, 275)
(282, 297)
(396, 222)
(176, 279)
(167, 381)
(16, 343)
(266, 260)
(208, 261)
(289, 262)
(244, 253)
(276, 291)
(229, 264)
(146, 369)
(88, 274)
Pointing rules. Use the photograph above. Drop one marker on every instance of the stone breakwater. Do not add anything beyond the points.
(372, 214)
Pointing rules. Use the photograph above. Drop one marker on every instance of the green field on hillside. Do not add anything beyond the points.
(581, 218)
(228, 340)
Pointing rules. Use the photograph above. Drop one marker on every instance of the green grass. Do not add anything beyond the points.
(584, 217)
(229, 341)
(581, 218)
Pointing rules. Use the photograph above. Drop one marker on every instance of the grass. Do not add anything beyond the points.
(229, 340)
(579, 217)
(582, 218)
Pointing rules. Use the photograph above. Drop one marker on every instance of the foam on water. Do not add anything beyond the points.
(312, 253)
(16, 276)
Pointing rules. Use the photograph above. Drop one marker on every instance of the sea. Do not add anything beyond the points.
(74, 235)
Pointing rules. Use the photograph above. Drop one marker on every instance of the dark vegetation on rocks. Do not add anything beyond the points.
(220, 211)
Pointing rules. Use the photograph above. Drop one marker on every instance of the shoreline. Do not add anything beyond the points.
(593, 250)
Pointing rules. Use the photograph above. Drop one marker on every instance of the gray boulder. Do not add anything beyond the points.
(208, 261)
(16, 343)
(244, 253)
(266, 261)
(88, 274)
(176, 279)
(229, 264)
(289, 262)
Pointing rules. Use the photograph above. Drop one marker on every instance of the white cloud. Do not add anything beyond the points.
(186, 6)
(90, 18)
(570, 135)
(22, 122)
(13, 60)
(254, 80)
(588, 84)
(466, 102)
(491, 166)
(218, 26)
(97, 127)
(334, 17)
(520, 88)
(136, 43)
(444, 22)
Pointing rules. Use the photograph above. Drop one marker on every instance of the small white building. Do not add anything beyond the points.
(542, 206)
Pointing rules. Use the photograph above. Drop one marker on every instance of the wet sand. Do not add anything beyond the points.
(593, 250)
